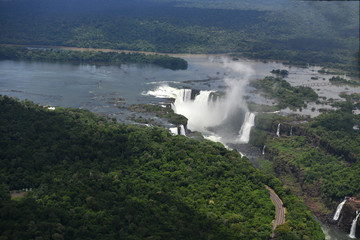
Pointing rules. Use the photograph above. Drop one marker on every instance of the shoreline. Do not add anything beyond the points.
(179, 55)
(117, 50)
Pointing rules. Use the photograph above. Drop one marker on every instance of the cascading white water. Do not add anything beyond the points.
(218, 116)
(244, 133)
(291, 132)
(182, 130)
(278, 130)
(263, 151)
(186, 95)
(174, 131)
(353, 226)
(178, 130)
(338, 210)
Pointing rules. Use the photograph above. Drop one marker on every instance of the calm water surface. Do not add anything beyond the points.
(102, 89)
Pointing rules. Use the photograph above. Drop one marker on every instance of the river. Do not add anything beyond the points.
(111, 89)
(93, 87)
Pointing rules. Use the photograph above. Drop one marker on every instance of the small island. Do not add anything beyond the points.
(93, 57)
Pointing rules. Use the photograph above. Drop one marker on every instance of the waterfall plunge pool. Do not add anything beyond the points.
(110, 89)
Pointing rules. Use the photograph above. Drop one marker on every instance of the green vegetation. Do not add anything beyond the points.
(282, 73)
(263, 125)
(162, 112)
(321, 161)
(247, 29)
(254, 107)
(93, 178)
(56, 55)
(284, 93)
(340, 80)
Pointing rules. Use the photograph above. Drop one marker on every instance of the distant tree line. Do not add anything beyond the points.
(57, 55)
(162, 26)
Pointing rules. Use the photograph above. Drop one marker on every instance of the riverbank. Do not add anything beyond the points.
(233, 56)
(89, 56)
(116, 50)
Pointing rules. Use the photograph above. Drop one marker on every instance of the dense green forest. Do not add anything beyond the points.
(286, 95)
(321, 159)
(92, 178)
(56, 55)
(298, 32)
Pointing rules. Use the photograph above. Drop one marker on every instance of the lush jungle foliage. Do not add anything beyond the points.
(322, 157)
(286, 95)
(299, 32)
(56, 55)
(340, 80)
(162, 112)
(91, 178)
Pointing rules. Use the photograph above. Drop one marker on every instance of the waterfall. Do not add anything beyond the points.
(291, 131)
(278, 130)
(263, 151)
(244, 133)
(338, 210)
(353, 226)
(174, 131)
(182, 130)
(186, 95)
(211, 113)
(178, 130)
(204, 110)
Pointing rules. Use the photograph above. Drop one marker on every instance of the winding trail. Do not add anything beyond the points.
(280, 210)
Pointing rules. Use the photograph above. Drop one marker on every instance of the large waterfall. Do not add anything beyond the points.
(338, 210)
(221, 116)
(353, 226)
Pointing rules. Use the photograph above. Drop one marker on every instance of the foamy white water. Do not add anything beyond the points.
(174, 130)
(338, 210)
(244, 133)
(278, 130)
(353, 226)
(208, 110)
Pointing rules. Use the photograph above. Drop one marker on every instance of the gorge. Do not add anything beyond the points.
(224, 115)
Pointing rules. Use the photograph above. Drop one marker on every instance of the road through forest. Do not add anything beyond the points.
(280, 210)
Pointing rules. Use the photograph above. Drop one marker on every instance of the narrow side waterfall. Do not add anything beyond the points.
(244, 133)
(278, 130)
(174, 131)
(263, 151)
(353, 226)
(182, 130)
(291, 131)
(186, 95)
(178, 130)
(338, 210)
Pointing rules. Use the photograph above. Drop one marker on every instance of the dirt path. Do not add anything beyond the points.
(280, 210)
